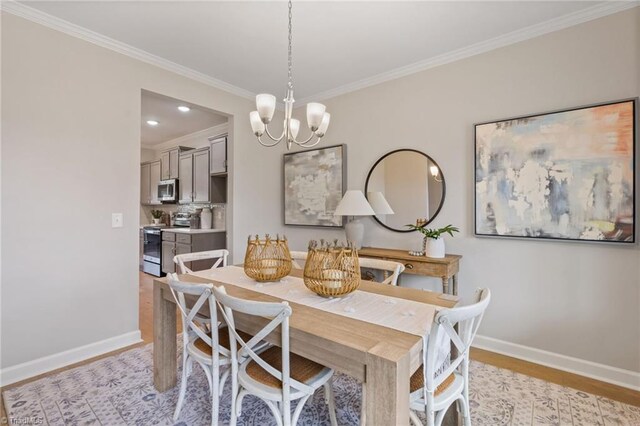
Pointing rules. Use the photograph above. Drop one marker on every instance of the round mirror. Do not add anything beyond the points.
(405, 187)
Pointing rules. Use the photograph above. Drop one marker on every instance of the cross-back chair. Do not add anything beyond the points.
(390, 269)
(221, 256)
(434, 394)
(275, 375)
(208, 346)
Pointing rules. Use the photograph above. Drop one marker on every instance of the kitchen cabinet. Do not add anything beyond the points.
(218, 156)
(193, 175)
(177, 243)
(149, 178)
(170, 160)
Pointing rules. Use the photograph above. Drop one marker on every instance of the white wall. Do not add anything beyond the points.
(577, 299)
(71, 155)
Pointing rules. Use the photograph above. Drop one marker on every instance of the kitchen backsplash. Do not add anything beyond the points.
(145, 211)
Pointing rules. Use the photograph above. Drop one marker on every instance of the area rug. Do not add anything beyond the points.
(119, 390)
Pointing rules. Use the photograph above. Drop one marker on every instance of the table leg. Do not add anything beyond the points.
(445, 285)
(455, 284)
(164, 341)
(387, 386)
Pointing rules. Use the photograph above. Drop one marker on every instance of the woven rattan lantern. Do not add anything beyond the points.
(331, 270)
(268, 259)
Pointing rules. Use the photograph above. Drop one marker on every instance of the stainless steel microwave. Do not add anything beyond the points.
(168, 190)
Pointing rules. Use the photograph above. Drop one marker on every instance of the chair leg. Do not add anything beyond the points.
(414, 418)
(223, 380)
(215, 395)
(466, 414)
(183, 389)
(298, 410)
(331, 402)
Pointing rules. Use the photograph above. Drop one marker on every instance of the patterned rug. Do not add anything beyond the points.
(119, 391)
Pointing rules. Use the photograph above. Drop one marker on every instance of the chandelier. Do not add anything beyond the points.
(317, 118)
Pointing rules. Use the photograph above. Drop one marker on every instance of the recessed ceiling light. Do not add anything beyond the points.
(184, 108)
(152, 122)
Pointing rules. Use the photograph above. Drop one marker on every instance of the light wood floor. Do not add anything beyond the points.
(575, 381)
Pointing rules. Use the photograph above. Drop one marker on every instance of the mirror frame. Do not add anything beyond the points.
(444, 186)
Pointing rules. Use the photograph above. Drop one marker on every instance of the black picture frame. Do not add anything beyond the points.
(342, 179)
(634, 180)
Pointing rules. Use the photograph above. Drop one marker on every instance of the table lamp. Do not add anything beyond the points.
(354, 204)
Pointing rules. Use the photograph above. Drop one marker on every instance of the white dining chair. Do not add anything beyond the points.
(210, 349)
(221, 256)
(390, 269)
(275, 376)
(432, 394)
(298, 259)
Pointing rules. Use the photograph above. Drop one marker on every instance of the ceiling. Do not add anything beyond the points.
(172, 122)
(335, 44)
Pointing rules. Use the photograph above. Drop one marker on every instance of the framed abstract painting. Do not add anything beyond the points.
(314, 182)
(566, 175)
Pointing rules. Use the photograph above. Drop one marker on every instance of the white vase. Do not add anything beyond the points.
(156, 221)
(434, 248)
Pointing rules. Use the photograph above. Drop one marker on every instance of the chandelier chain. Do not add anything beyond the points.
(289, 52)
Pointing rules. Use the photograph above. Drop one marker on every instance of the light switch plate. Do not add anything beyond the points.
(116, 220)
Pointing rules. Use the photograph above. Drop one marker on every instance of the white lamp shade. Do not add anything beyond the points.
(256, 123)
(294, 126)
(379, 203)
(353, 203)
(315, 114)
(324, 125)
(266, 105)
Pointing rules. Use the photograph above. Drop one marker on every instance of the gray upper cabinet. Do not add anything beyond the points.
(201, 176)
(185, 178)
(170, 162)
(218, 160)
(149, 178)
(154, 178)
(165, 163)
(145, 187)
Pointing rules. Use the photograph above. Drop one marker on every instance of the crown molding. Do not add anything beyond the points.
(50, 21)
(556, 24)
(552, 25)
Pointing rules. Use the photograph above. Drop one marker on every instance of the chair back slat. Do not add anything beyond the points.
(204, 294)
(220, 256)
(388, 266)
(468, 319)
(298, 259)
(279, 314)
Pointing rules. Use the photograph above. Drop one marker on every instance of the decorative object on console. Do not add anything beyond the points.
(267, 260)
(156, 216)
(433, 241)
(314, 181)
(566, 175)
(317, 118)
(331, 269)
(354, 204)
(411, 183)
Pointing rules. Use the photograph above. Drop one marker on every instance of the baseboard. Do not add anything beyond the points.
(617, 376)
(48, 363)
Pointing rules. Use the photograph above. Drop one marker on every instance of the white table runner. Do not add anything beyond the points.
(399, 314)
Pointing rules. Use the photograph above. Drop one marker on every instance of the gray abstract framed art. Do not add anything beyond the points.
(314, 183)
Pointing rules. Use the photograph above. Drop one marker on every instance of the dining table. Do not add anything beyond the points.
(381, 357)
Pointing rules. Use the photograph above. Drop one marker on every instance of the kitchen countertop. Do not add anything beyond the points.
(192, 231)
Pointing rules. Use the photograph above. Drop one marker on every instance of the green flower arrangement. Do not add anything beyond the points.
(434, 233)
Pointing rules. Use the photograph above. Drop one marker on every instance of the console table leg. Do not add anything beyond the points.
(455, 284)
(445, 285)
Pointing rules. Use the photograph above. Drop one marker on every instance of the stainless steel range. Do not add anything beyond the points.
(152, 250)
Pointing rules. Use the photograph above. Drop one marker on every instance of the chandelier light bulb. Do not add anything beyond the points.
(266, 106)
(324, 125)
(294, 126)
(256, 123)
(315, 114)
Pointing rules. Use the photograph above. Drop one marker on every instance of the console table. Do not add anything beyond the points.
(446, 268)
